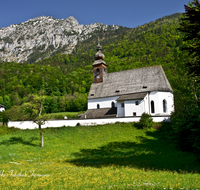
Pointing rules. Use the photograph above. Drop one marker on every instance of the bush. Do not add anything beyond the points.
(6, 130)
(78, 124)
(15, 113)
(146, 121)
(188, 132)
(167, 131)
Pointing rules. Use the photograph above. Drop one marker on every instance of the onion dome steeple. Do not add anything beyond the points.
(99, 66)
(99, 56)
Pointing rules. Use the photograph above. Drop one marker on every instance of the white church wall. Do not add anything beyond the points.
(158, 98)
(103, 102)
(120, 109)
(146, 104)
(171, 103)
(131, 108)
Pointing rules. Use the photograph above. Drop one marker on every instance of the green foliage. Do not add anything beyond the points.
(146, 121)
(3, 118)
(190, 26)
(32, 109)
(57, 116)
(16, 86)
(186, 131)
(61, 115)
(7, 130)
(15, 113)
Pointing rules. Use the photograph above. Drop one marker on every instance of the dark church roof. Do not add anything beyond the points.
(136, 96)
(99, 113)
(131, 81)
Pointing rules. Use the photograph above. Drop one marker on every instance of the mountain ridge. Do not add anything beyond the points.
(44, 34)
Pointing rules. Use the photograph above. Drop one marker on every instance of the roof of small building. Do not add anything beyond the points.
(1, 106)
(144, 79)
(99, 113)
(136, 96)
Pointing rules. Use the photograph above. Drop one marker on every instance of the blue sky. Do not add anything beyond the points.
(129, 13)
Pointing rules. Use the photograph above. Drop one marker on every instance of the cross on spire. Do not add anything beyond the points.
(98, 46)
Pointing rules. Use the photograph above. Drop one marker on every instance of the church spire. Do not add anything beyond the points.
(99, 65)
(99, 54)
(98, 46)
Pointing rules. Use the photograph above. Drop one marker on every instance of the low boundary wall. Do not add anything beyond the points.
(73, 123)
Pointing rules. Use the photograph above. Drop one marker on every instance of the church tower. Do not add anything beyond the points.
(99, 66)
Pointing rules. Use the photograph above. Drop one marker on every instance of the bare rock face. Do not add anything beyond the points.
(45, 35)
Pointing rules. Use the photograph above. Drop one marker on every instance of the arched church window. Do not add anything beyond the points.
(152, 107)
(98, 106)
(164, 106)
(97, 73)
(113, 104)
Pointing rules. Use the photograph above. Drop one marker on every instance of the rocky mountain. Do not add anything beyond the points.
(44, 35)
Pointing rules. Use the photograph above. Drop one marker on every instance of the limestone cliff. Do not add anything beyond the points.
(45, 35)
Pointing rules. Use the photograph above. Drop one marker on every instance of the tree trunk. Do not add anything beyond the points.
(41, 136)
(42, 142)
(195, 96)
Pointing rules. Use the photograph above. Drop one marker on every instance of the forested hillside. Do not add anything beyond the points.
(65, 79)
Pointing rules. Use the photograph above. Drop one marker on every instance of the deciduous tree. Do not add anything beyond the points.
(33, 111)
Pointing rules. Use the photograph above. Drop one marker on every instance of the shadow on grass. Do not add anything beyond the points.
(145, 153)
(18, 140)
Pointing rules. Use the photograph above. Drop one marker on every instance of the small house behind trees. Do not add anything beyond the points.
(2, 108)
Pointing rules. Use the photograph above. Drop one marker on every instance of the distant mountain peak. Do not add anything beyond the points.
(39, 37)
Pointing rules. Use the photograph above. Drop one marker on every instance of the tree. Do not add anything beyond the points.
(190, 26)
(33, 111)
(186, 121)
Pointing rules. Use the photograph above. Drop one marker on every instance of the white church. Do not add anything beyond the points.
(128, 93)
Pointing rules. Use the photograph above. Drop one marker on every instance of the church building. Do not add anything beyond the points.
(128, 93)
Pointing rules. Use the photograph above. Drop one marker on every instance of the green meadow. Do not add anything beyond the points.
(61, 115)
(117, 156)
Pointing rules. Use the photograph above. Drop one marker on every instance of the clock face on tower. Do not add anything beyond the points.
(98, 72)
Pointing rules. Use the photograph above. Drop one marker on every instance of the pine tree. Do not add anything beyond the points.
(190, 26)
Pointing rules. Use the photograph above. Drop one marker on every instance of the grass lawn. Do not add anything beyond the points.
(61, 115)
(117, 156)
